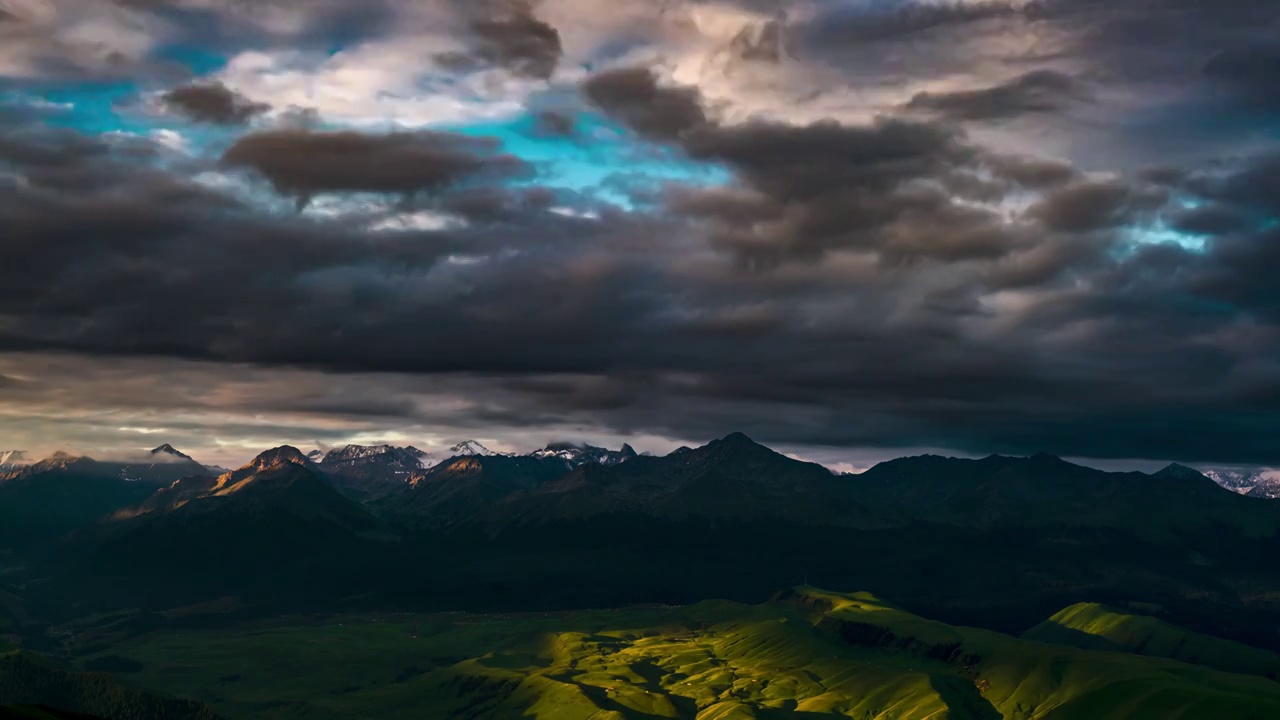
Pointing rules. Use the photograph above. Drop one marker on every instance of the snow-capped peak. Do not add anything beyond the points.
(168, 451)
(13, 458)
(470, 447)
(352, 455)
(1259, 482)
(575, 454)
(357, 452)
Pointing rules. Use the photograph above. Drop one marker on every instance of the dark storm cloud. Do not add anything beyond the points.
(303, 163)
(889, 187)
(890, 282)
(1161, 36)
(1254, 66)
(634, 96)
(843, 24)
(542, 320)
(803, 162)
(1088, 206)
(507, 34)
(180, 269)
(496, 205)
(1171, 81)
(551, 123)
(1038, 91)
(1213, 219)
(1253, 183)
(1195, 66)
(1031, 172)
(235, 24)
(513, 37)
(16, 113)
(213, 103)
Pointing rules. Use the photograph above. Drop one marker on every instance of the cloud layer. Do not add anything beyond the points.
(976, 226)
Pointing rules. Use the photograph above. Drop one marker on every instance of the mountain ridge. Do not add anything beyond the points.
(733, 477)
(732, 518)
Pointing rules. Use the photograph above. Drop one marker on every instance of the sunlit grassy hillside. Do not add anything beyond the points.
(1094, 626)
(825, 655)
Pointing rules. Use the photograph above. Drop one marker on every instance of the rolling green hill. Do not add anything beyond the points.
(1097, 627)
(808, 653)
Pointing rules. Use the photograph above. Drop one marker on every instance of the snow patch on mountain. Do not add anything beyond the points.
(1254, 482)
(581, 454)
(167, 453)
(469, 448)
(402, 457)
(13, 459)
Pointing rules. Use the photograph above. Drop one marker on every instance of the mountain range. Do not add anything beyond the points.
(366, 468)
(60, 493)
(1012, 540)
(729, 479)
(108, 551)
(1254, 483)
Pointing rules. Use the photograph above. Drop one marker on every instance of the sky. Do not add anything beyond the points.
(853, 229)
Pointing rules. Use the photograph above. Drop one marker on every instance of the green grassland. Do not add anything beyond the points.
(1094, 626)
(807, 654)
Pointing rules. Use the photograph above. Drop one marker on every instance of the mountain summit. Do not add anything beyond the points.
(736, 442)
(285, 454)
(12, 459)
(166, 451)
(470, 447)
(1175, 471)
(730, 478)
(409, 458)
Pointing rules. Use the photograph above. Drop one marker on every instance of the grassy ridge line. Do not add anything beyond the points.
(829, 654)
(1097, 627)
(1026, 679)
